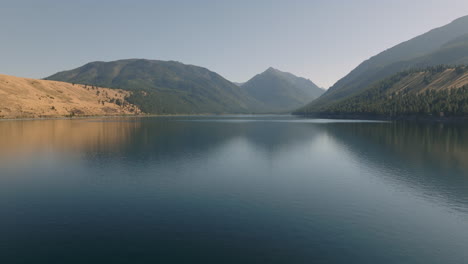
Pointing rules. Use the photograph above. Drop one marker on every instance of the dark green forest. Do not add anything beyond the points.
(387, 98)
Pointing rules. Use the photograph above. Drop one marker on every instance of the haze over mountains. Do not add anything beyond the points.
(281, 91)
(445, 45)
(168, 87)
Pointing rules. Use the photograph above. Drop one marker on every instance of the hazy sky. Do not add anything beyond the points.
(318, 39)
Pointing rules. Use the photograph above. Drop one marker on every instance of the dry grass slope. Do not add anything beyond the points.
(448, 79)
(31, 98)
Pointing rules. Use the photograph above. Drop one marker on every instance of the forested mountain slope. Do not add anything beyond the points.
(435, 91)
(445, 45)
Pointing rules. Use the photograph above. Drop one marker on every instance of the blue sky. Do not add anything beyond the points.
(318, 39)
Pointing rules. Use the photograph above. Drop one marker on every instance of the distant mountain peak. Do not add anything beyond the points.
(275, 71)
(289, 76)
(271, 70)
(280, 91)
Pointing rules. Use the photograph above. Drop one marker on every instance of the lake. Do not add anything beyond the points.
(232, 189)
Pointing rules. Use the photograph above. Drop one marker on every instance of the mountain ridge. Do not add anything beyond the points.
(165, 87)
(421, 51)
(171, 87)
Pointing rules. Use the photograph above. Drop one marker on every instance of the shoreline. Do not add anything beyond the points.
(63, 117)
(131, 116)
(412, 118)
(408, 118)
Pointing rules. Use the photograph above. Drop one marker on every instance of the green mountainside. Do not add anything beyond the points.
(446, 45)
(165, 87)
(436, 91)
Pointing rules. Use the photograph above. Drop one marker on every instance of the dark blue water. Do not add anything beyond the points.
(232, 190)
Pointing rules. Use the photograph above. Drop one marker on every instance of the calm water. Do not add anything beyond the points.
(232, 190)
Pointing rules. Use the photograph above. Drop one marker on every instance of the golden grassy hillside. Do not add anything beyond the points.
(446, 79)
(31, 98)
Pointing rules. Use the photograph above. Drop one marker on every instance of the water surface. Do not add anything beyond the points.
(235, 189)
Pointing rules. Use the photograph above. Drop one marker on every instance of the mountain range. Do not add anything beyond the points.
(169, 87)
